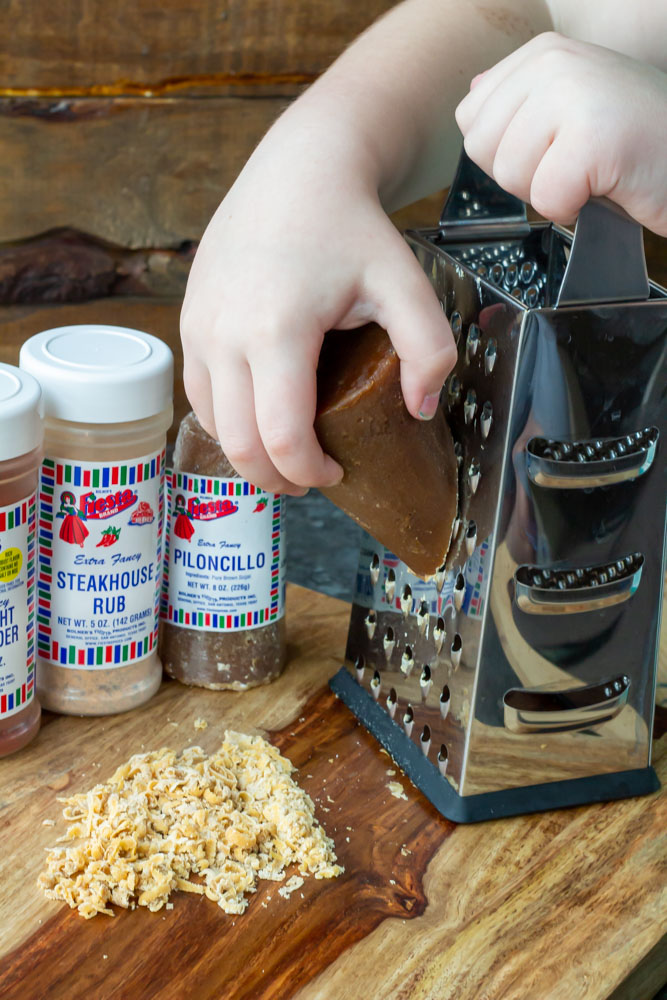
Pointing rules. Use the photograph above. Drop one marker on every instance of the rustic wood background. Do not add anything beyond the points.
(130, 120)
(123, 125)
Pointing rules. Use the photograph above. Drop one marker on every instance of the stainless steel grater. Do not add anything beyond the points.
(523, 676)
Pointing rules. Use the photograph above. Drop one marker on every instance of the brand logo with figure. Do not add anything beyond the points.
(209, 510)
(73, 529)
(99, 508)
(198, 510)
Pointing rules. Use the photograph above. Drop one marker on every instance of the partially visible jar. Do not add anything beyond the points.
(20, 457)
(107, 406)
(223, 624)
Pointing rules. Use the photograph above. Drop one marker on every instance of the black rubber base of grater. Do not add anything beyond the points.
(490, 805)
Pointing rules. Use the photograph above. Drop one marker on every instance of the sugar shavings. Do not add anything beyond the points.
(229, 819)
(292, 884)
(396, 789)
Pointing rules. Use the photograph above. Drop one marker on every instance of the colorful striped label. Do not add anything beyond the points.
(224, 565)
(17, 606)
(477, 581)
(387, 591)
(209, 486)
(100, 561)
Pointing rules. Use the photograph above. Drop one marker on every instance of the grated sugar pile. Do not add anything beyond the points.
(231, 818)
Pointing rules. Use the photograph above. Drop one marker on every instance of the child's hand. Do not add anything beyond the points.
(559, 121)
(299, 246)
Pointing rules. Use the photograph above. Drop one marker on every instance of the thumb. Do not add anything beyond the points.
(409, 310)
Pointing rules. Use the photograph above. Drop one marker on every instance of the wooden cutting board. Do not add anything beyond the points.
(566, 904)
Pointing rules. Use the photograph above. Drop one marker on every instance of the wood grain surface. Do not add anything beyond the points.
(137, 172)
(66, 265)
(130, 121)
(91, 46)
(558, 906)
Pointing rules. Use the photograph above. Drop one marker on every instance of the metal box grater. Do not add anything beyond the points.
(523, 676)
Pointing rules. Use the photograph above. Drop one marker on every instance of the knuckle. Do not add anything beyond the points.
(556, 61)
(548, 41)
(240, 452)
(270, 328)
(281, 442)
(445, 359)
(547, 205)
(187, 321)
(208, 425)
(273, 484)
(192, 385)
(541, 205)
(198, 390)
(511, 177)
(451, 356)
(474, 145)
(504, 172)
(431, 370)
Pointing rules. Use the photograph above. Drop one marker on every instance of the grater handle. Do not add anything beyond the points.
(476, 206)
(581, 465)
(539, 590)
(541, 711)
(607, 262)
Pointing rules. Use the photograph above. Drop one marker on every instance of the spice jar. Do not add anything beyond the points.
(223, 601)
(20, 456)
(107, 406)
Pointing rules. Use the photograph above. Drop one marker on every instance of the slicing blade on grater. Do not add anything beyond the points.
(511, 680)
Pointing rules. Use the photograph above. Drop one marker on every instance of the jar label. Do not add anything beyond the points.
(17, 606)
(100, 561)
(225, 557)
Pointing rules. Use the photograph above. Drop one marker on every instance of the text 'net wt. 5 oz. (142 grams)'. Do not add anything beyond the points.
(107, 406)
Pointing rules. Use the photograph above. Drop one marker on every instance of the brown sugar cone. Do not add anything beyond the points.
(401, 479)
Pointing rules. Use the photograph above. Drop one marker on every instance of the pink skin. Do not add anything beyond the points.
(559, 121)
(302, 242)
(289, 276)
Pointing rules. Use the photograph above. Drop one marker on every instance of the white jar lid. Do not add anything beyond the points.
(20, 413)
(93, 374)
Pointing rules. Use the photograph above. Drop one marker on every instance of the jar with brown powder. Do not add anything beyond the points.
(223, 602)
(107, 405)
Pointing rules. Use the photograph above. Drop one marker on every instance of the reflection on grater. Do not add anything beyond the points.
(521, 677)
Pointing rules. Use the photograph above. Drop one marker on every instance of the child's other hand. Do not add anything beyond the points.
(559, 121)
(300, 245)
